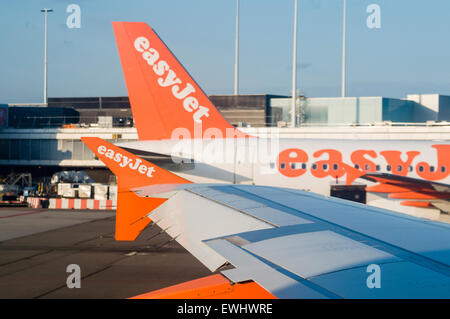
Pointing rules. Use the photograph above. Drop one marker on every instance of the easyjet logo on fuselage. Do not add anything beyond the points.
(292, 163)
(125, 161)
(168, 78)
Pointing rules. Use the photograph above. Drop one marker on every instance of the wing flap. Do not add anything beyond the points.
(248, 267)
(313, 253)
(191, 219)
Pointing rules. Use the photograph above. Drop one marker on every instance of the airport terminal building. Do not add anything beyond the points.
(44, 140)
(415, 108)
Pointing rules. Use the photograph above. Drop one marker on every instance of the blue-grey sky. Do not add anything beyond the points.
(408, 54)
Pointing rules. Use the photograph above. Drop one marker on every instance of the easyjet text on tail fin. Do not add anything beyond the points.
(163, 96)
(131, 172)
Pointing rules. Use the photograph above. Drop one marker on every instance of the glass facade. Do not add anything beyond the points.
(44, 149)
(351, 110)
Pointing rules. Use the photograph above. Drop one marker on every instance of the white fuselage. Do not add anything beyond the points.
(305, 164)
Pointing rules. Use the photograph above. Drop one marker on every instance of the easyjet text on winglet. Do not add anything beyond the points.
(125, 161)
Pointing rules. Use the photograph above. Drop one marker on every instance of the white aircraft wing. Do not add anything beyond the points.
(297, 244)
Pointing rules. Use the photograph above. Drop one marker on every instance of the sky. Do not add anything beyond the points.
(408, 54)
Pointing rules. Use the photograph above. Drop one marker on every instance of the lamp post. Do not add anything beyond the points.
(343, 50)
(46, 10)
(236, 53)
(294, 68)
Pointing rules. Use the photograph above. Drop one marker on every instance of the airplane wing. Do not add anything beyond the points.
(269, 242)
(415, 192)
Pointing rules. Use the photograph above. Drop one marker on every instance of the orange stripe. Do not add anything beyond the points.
(389, 181)
(421, 195)
(211, 287)
(387, 188)
(71, 203)
(415, 203)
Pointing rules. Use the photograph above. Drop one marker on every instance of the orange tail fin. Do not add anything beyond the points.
(163, 96)
(131, 172)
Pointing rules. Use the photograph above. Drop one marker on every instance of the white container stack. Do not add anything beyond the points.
(94, 191)
(84, 191)
(100, 191)
(66, 190)
(113, 192)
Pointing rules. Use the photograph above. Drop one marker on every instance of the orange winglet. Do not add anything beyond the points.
(163, 96)
(131, 172)
(130, 212)
(211, 287)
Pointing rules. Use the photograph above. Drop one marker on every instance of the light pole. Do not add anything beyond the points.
(294, 68)
(343, 50)
(46, 10)
(236, 53)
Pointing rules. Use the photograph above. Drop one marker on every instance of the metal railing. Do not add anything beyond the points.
(69, 122)
(82, 121)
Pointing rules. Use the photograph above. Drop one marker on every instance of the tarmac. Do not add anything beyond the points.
(37, 245)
